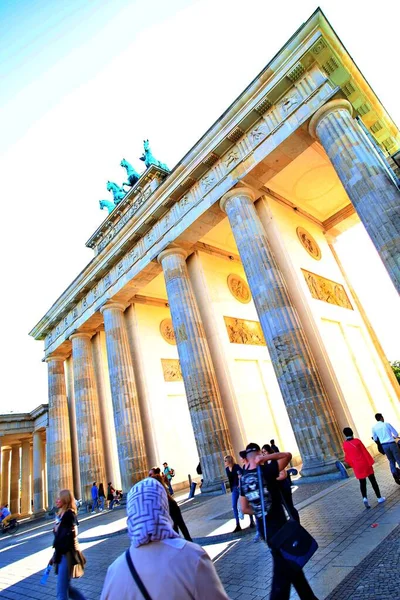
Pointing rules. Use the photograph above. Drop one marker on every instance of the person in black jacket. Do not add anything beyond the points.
(285, 485)
(66, 551)
(174, 510)
(234, 472)
(272, 467)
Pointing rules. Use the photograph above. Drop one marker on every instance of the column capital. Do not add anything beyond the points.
(81, 335)
(172, 251)
(56, 358)
(239, 191)
(324, 111)
(113, 306)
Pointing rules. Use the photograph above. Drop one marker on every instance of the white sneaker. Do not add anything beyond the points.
(366, 503)
(380, 500)
(93, 511)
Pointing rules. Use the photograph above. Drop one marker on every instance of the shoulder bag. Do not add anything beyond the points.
(136, 576)
(79, 560)
(293, 542)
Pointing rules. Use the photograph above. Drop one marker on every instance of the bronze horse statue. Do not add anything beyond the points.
(148, 158)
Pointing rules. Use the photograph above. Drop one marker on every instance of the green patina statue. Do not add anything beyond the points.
(118, 192)
(108, 204)
(149, 159)
(133, 175)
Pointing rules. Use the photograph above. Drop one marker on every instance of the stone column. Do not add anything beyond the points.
(106, 415)
(1, 479)
(45, 474)
(219, 357)
(132, 327)
(59, 442)
(371, 191)
(14, 478)
(38, 472)
(31, 472)
(25, 477)
(307, 403)
(206, 412)
(127, 419)
(91, 457)
(69, 367)
(5, 475)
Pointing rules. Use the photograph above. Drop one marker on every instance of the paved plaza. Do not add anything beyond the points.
(358, 556)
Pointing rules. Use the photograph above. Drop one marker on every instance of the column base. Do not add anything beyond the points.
(315, 468)
(213, 487)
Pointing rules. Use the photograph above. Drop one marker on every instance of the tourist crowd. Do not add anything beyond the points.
(163, 562)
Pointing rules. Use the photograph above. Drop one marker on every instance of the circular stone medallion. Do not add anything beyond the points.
(308, 242)
(239, 288)
(167, 331)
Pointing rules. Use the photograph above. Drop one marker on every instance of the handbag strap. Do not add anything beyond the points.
(291, 518)
(262, 499)
(136, 577)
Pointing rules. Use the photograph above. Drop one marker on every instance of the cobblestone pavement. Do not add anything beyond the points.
(377, 577)
(333, 513)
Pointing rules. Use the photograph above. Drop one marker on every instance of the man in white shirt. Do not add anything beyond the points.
(386, 434)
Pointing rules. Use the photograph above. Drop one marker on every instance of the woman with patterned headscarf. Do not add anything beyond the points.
(159, 563)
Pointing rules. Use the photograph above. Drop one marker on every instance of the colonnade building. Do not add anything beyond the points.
(215, 310)
(23, 480)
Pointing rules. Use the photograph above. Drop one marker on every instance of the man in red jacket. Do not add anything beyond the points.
(357, 456)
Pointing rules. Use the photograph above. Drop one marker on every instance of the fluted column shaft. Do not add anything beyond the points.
(132, 328)
(38, 472)
(91, 458)
(14, 478)
(76, 476)
(59, 442)
(45, 476)
(127, 419)
(305, 398)
(25, 477)
(208, 419)
(372, 193)
(106, 416)
(5, 475)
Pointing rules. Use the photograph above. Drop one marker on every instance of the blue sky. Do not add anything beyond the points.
(83, 83)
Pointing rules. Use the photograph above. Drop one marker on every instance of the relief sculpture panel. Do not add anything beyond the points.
(327, 290)
(241, 331)
(167, 331)
(171, 369)
(308, 243)
(239, 288)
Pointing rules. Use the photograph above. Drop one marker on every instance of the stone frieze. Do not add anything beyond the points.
(167, 331)
(241, 331)
(239, 288)
(327, 290)
(308, 243)
(171, 369)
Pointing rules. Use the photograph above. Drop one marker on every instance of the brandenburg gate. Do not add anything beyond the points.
(215, 310)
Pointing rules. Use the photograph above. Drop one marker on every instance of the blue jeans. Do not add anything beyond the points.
(171, 491)
(64, 590)
(392, 452)
(101, 502)
(235, 498)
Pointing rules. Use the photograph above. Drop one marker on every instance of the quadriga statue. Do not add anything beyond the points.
(118, 192)
(148, 158)
(108, 204)
(132, 174)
